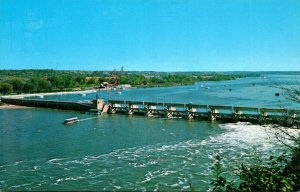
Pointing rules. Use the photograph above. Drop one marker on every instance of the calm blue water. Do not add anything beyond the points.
(244, 92)
(117, 152)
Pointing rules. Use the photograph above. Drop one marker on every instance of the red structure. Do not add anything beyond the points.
(114, 77)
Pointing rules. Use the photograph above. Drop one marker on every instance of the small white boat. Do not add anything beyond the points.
(71, 120)
(119, 92)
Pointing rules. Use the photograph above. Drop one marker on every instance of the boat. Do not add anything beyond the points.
(71, 120)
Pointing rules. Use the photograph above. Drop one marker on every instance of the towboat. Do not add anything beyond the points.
(71, 120)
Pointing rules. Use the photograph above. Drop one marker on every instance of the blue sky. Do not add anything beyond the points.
(157, 35)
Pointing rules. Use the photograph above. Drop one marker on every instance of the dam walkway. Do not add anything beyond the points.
(188, 111)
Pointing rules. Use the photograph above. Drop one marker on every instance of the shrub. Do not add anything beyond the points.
(258, 177)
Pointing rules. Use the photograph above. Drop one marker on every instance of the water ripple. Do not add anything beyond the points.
(156, 167)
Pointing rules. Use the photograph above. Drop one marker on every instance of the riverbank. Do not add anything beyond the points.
(20, 96)
(7, 106)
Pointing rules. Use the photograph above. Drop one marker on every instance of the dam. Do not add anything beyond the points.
(123, 148)
(188, 111)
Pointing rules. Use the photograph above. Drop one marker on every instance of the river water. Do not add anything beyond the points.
(118, 152)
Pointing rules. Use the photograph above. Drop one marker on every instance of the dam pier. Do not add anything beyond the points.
(188, 111)
(202, 112)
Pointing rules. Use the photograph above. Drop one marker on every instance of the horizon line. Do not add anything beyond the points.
(41, 69)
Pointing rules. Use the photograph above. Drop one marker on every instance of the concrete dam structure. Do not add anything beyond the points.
(206, 112)
(186, 111)
(65, 105)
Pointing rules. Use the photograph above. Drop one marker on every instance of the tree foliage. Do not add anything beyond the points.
(273, 176)
(31, 81)
(6, 88)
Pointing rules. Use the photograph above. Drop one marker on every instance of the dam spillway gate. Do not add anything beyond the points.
(188, 111)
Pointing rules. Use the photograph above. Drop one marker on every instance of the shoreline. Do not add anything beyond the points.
(22, 96)
(9, 106)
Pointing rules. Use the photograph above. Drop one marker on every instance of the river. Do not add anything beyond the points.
(118, 152)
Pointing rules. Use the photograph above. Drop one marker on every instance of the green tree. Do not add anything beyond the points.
(57, 82)
(80, 80)
(257, 177)
(18, 85)
(29, 87)
(92, 81)
(6, 88)
(44, 85)
(101, 80)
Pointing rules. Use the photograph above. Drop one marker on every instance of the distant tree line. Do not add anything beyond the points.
(171, 80)
(49, 84)
(33, 81)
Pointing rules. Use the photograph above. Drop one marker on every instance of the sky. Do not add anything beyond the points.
(150, 35)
